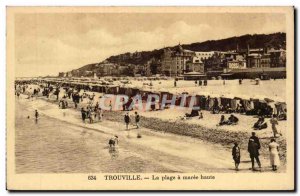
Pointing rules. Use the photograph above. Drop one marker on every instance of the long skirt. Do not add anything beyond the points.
(274, 158)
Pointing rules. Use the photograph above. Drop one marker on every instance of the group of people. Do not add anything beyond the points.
(253, 150)
(200, 82)
(63, 103)
(92, 114)
(262, 124)
(127, 120)
(232, 120)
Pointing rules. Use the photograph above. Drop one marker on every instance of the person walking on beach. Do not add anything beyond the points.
(90, 115)
(274, 122)
(83, 114)
(123, 104)
(97, 105)
(112, 144)
(127, 120)
(274, 154)
(100, 116)
(137, 120)
(236, 155)
(253, 149)
(57, 93)
(110, 106)
(36, 114)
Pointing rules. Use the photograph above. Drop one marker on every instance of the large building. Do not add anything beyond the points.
(262, 58)
(277, 58)
(174, 62)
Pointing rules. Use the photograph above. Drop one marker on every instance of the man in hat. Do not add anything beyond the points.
(255, 138)
(253, 149)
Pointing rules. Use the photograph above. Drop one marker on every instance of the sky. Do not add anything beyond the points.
(48, 43)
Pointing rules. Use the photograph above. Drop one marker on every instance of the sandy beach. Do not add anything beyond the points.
(197, 136)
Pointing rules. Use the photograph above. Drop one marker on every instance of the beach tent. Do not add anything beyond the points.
(113, 89)
(229, 99)
(261, 106)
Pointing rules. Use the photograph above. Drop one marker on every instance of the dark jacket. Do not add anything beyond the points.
(236, 152)
(253, 149)
(256, 140)
(126, 119)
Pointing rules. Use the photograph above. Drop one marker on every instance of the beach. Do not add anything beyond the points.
(179, 146)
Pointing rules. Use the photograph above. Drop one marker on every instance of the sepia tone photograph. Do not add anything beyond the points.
(150, 98)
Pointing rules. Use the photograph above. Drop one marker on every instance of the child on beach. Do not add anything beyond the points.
(113, 141)
(236, 155)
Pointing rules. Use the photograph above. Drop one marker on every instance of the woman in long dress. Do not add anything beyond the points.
(274, 154)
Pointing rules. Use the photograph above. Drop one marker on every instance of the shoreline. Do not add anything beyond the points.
(207, 134)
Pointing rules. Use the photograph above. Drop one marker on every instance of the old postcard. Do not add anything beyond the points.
(150, 98)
